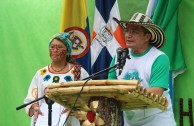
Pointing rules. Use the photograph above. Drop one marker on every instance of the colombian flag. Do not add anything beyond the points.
(74, 20)
(107, 35)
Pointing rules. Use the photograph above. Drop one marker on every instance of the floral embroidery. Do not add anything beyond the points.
(68, 78)
(35, 92)
(47, 77)
(73, 72)
(43, 71)
(56, 79)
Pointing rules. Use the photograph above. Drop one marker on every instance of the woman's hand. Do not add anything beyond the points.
(36, 111)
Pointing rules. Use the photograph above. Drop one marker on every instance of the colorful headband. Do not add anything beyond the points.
(65, 38)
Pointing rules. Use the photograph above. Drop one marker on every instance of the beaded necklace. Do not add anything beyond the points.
(58, 70)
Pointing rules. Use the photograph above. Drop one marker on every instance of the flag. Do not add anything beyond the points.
(107, 35)
(168, 21)
(151, 8)
(74, 20)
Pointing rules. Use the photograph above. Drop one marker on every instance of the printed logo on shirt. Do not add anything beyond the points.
(132, 74)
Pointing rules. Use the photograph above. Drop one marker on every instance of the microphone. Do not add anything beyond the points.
(119, 53)
(122, 54)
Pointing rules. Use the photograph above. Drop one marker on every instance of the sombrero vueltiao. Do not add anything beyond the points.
(158, 37)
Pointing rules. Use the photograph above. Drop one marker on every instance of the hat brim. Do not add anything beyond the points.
(158, 37)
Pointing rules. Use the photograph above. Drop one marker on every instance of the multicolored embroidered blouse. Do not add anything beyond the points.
(43, 77)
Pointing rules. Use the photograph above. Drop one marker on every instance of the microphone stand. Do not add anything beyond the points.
(102, 71)
(48, 101)
(24, 105)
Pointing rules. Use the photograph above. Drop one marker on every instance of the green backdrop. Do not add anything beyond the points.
(25, 30)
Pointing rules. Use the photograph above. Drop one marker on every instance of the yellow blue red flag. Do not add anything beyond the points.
(74, 20)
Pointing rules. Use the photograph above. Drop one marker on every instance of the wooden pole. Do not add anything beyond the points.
(109, 110)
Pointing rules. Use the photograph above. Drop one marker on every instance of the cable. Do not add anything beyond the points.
(76, 100)
(60, 116)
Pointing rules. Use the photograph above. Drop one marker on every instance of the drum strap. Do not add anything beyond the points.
(77, 72)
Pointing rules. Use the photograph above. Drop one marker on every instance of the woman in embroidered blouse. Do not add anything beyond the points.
(61, 69)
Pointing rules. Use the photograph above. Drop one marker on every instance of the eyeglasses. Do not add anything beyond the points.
(133, 31)
(58, 47)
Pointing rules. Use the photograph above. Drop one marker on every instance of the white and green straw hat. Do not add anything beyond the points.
(158, 37)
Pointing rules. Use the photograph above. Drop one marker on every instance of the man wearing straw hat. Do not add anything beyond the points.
(149, 65)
